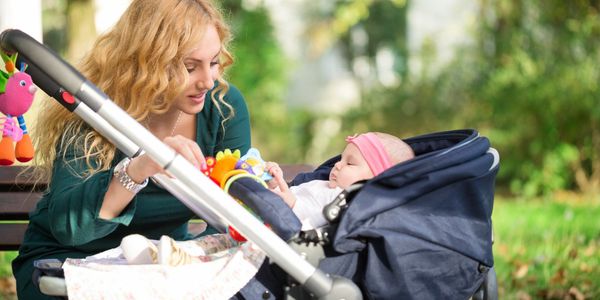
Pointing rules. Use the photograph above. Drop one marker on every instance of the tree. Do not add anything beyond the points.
(81, 29)
(530, 83)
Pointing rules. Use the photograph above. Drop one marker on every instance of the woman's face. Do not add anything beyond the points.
(203, 67)
(351, 168)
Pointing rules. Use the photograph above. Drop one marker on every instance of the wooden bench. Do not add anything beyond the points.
(18, 197)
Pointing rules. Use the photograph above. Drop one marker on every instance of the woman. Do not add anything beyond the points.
(163, 63)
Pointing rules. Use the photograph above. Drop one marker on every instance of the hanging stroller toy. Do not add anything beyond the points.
(16, 95)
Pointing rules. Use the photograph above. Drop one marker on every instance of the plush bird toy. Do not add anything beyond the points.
(16, 95)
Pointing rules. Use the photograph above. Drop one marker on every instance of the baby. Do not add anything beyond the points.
(365, 156)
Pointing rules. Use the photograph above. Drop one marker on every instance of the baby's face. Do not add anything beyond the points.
(350, 169)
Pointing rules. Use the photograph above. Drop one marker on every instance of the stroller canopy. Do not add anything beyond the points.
(421, 229)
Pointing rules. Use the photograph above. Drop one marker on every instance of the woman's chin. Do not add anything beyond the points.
(193, 108)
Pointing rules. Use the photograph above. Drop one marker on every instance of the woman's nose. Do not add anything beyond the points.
(205, 80)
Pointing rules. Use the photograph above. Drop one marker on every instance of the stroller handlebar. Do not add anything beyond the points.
(14, 40)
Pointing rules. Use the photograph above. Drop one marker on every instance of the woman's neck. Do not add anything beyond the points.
(173, 122)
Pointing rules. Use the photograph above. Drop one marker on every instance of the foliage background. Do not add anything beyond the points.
(529, 82)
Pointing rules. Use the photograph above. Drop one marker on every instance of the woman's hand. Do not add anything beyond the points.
(186, 148)
(143, 166)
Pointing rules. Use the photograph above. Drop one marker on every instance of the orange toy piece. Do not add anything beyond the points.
(24, 149)
(7, 152)
(225, 162)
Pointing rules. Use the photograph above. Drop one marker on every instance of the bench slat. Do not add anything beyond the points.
(13, 175)
(16, 206)
(12, 236)
(290, 171)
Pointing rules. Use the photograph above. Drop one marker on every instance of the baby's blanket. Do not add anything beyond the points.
(221, 274)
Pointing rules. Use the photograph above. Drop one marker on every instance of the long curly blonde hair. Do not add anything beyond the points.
(139, 65)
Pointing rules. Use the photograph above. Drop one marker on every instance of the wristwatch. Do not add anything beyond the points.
(120, 172)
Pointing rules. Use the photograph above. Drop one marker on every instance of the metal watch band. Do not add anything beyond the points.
(120, 172)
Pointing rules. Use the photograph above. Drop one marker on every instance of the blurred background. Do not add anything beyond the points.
(523, 73)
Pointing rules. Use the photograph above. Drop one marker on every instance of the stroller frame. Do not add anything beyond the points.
(53, 75)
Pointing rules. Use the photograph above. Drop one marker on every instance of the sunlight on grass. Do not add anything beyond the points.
(7, 283)
(547, 250)
(5, 258)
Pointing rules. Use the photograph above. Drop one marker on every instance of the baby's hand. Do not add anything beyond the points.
(274, 170)
(278, 184)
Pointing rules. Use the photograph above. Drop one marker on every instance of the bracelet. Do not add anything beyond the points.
(120, 172)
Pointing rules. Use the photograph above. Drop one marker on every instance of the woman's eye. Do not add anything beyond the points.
(214, 63)
(190, 69)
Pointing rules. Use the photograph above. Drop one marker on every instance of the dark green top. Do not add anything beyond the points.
(65, 222)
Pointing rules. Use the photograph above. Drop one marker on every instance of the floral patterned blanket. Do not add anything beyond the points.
(225, 268)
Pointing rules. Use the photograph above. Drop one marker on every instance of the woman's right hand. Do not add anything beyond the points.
(143, 166)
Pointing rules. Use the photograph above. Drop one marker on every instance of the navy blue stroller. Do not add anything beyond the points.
(420, 230)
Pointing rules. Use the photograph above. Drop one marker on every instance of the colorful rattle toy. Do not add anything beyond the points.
(16, 95)
(228, 166)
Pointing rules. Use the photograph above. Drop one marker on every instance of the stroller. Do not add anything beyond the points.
(421, 229)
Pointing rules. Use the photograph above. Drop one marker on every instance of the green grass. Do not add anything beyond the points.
(547, 250)
(7, 287)
(5, 258)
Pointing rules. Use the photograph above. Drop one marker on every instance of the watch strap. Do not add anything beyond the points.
(120, 172)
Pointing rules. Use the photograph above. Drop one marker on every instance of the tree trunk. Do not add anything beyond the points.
(81, 28)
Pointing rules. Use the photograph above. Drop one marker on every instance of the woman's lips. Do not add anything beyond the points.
(199, 98)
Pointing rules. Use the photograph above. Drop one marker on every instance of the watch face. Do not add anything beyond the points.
(121, 165)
